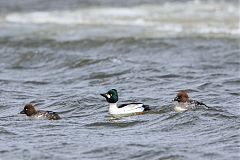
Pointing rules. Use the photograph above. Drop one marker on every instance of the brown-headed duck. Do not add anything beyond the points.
(30, 111)
(184, 103)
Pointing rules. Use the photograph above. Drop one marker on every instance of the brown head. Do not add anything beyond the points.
(182, 96)
(29, 110)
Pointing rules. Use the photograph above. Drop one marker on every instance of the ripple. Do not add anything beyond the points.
(5, 132)
(85, 62)
(114, 124)
(36, 82)
(101, 75)
(169, 76)
(232, 82)
(221, 115)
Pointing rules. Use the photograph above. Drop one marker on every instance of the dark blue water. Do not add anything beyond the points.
(60, 60)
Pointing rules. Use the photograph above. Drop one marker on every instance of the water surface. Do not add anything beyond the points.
(61, 57)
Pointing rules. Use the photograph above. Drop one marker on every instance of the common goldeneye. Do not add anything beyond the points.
(30, 111)
(184, 103)
(124, 109)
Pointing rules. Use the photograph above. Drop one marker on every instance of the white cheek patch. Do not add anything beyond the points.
(108, 96)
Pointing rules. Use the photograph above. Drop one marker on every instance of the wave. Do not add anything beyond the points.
(194, 17)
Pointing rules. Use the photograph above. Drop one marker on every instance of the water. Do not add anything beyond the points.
(61, 56)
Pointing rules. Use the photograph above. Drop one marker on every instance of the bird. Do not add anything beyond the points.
(123, 109)
(184, 103)
(30, 111)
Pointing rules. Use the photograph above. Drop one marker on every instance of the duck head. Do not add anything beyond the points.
(182, 96)
(29, 110)
(111, 96)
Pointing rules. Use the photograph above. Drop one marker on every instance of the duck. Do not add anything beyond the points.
(123, 109)
(30, 111)
(184, 103)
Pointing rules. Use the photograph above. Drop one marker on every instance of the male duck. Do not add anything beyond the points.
(124, 109)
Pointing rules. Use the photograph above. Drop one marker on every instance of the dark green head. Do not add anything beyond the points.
(111, 96)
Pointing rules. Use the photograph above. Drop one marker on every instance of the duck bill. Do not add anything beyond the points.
(104, 95)
(176, 99)
(22, 112)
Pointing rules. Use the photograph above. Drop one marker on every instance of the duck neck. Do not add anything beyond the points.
(112, 108)
(112, 105)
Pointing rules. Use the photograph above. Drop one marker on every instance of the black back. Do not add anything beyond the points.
(123, 105)
(146, 107)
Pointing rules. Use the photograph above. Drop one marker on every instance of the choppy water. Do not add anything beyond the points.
(61, 57)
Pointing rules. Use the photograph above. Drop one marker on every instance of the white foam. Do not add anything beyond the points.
(195, 16)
